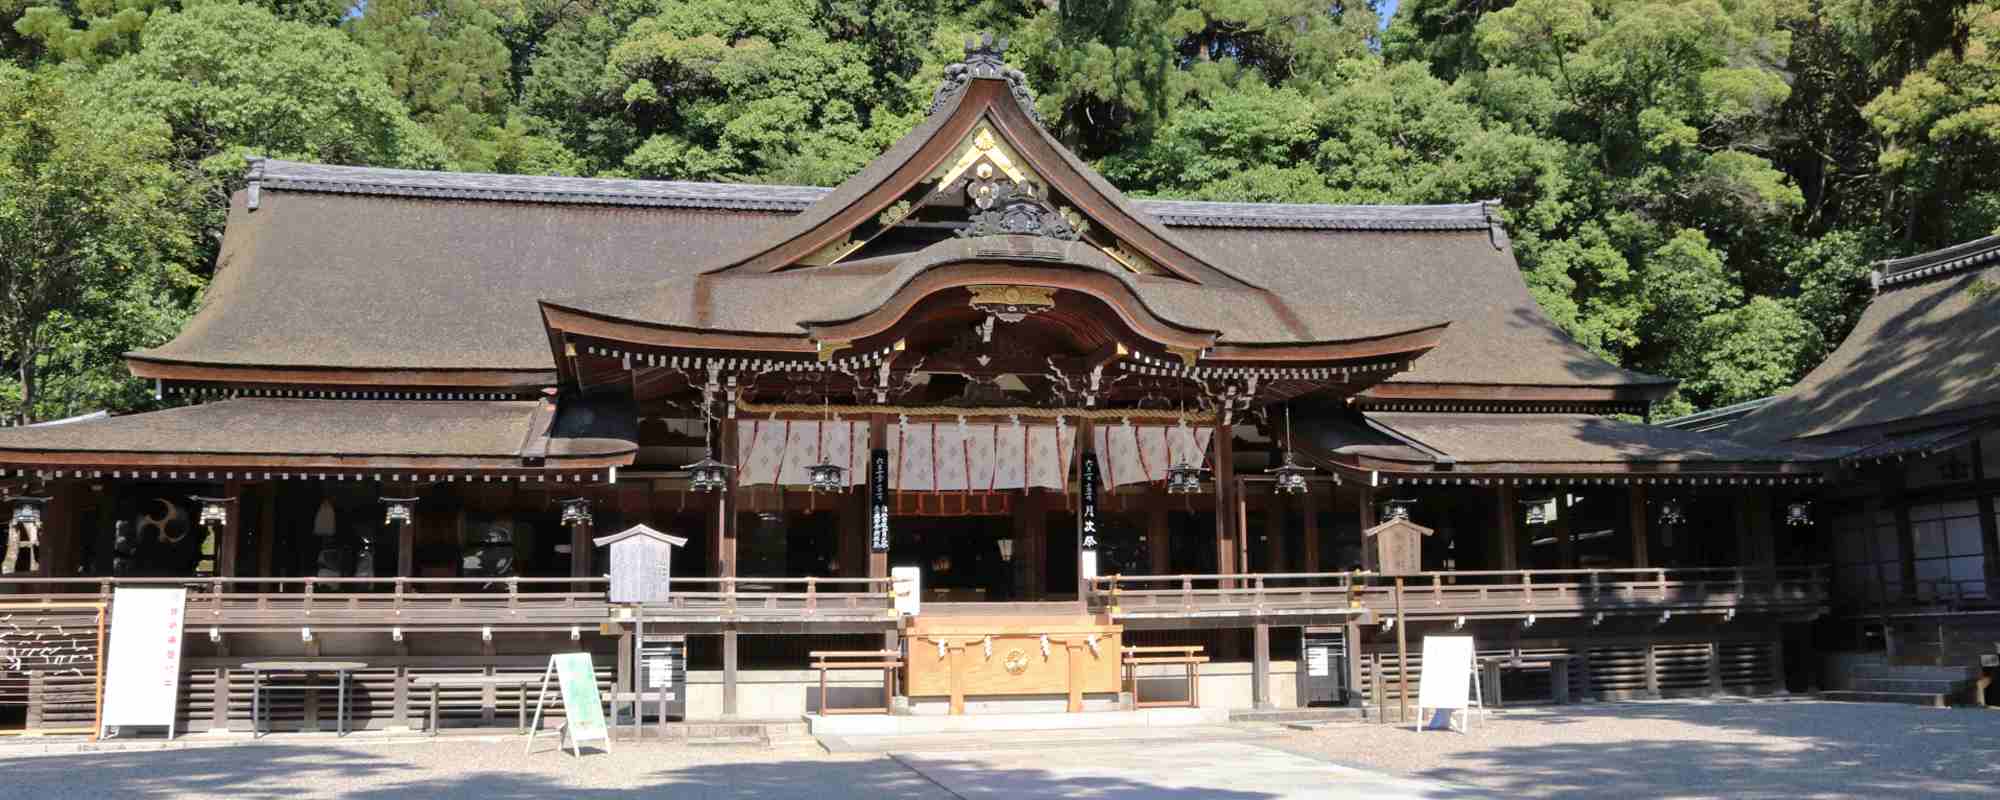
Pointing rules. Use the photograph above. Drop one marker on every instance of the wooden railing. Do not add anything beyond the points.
(469, 604)
(1476, 594)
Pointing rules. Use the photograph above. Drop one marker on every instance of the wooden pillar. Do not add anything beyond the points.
(722, 527)
(1641, 541)
(1352, 639)
(1761, 544)
(580, 551)
(232, 531)
(1032, 551)
(729, 671)
(1239, 525)
(267, 537)
(1260, 666)
(1366, 514)
(1225, 505)
(1564, 527)
(219, 711)
(1275, 507)
(1507, 518)
(1159, 539)
(1309, 508)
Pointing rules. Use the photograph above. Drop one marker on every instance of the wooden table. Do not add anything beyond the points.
(1558, 677)
(338, 668)
(436, 682)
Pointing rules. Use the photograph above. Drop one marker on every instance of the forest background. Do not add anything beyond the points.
(1695, 187)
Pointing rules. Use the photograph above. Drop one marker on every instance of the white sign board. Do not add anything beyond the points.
(658, 676)
(1316, 662)
(1448, 673)
(143, 667)
(909, 585)
(1087, 563)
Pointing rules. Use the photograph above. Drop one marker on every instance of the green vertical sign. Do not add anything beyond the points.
(582, 708)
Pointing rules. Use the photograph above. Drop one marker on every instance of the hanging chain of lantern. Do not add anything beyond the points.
(1290, 477)
(1798, 513)
(826, 476)
(28, 510)
(1670, 512)
(1397, 508)
(576, 511)
(398, 510)
(708, 474)
(214, 510)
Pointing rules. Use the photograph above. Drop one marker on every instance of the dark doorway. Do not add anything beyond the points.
(960, 556)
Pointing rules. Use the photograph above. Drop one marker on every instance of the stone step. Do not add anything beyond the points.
(1907, 685)
(1297, 714)
(1915, 672)
(1905, 698)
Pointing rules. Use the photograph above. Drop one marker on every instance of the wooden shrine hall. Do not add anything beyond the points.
(1086, 428)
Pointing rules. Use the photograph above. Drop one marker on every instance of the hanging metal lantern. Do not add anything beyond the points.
(1397, 508)
(399, 510)
(28, 510)
(214, 510)
(1183, 478)
(827, 477)
(708, 474)
(1670, 513)
(576, 511)
(1291, 478)
(1798, 513)
(1540, 511)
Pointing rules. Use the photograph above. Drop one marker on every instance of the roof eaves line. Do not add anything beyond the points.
(1908, 269)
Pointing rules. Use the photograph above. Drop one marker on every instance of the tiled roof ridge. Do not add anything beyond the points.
(1942, 261)
(334, 179)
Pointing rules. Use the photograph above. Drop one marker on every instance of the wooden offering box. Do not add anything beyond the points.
(1004, 655)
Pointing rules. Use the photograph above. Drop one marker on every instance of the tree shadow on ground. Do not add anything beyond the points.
(1813, 749)
(240, 773)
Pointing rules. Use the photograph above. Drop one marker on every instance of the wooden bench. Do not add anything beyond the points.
(1188, 656)
(474, 681)
(886, 660)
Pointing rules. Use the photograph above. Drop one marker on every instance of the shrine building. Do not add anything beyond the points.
(1100, 436)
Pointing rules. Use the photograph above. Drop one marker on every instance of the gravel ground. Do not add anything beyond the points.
(481, 770)
(1691, 749)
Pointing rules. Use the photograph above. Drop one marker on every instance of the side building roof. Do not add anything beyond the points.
(1923, 354)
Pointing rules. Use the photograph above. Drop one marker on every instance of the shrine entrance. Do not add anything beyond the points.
(963, 559)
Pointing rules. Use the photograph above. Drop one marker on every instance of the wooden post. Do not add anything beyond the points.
(1309, 507)
(1505, 521)
(1075, 677)
(1353, 642)
(725, 505)
(1225, 518)
(1274, 533)
(1565, 531)
(1366, 517)
(729, 672)
(1402, 658)
(1030, 553)
(267, 533)
(1239, 526)
(219, 714)
(580, 552)
(954, 651)
(1159, 540)
(232, 532)
(1989, 531)
(1641, 542)
(1260, 666)
(1763, 543)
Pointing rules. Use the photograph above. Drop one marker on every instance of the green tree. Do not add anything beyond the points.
(446, 61)
(93, 234)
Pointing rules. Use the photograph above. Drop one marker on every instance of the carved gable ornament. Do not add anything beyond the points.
(1395, 547)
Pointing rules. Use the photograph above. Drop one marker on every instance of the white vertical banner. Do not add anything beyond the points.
(143, 666)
